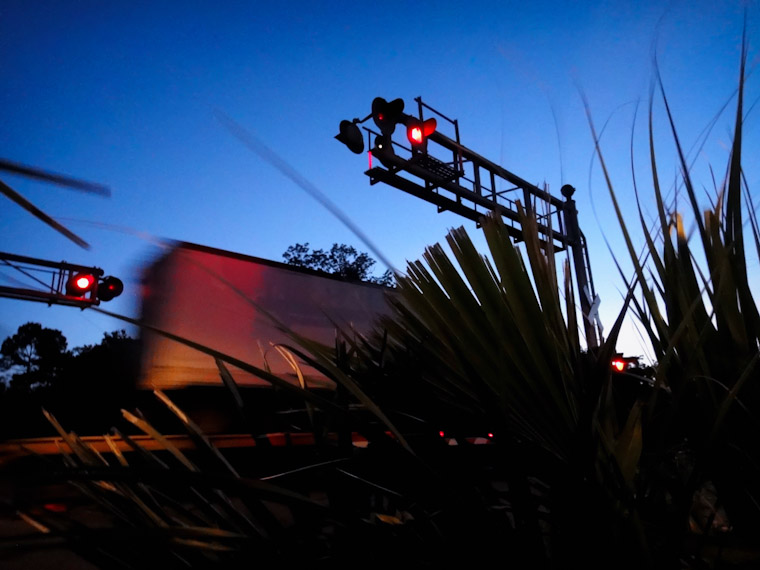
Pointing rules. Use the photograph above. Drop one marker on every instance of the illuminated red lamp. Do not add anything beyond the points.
(619, 364)
(418, 131)
(415, 135)
(79, 284)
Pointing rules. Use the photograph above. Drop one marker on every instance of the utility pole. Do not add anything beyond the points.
(463, 182)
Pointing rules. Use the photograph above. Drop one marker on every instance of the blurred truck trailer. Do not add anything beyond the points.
(215, 298)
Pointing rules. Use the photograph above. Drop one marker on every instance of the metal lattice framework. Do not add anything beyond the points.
(461, 181)
(52, 277)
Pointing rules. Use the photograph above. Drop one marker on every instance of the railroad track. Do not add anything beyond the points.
(15, 448)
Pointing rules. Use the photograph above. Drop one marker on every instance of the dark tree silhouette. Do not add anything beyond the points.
(39, 352)
(85, 387)
(342, 260)
(97, 382)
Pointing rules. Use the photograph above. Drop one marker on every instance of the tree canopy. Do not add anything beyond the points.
(39, 352)
(86, 385)
(342, 260)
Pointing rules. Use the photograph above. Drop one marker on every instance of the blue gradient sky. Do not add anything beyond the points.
(124, 93)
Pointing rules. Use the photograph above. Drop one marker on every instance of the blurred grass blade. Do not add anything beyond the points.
(195, 430)
(629, 444)
(54, 178)
(39, 214)
(166, 444)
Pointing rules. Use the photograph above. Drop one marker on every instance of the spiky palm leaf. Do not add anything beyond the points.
(701, 423)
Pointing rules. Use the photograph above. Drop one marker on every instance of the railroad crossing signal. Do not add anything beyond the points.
(79, 284)
(100, 289)
(109, 288)
(383, 150)
(622, 363)
(418, 132)
(457, 179)
(351, 136)
(62, 283)
(387, 114)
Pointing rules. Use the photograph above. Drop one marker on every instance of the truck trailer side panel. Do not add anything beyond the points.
(213, 297)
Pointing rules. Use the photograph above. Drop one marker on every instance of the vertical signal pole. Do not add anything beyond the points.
(582, 274)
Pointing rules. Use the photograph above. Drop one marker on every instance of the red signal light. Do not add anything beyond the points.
(418, 131)
(80, 283)
(91, 288)
(618, 364)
